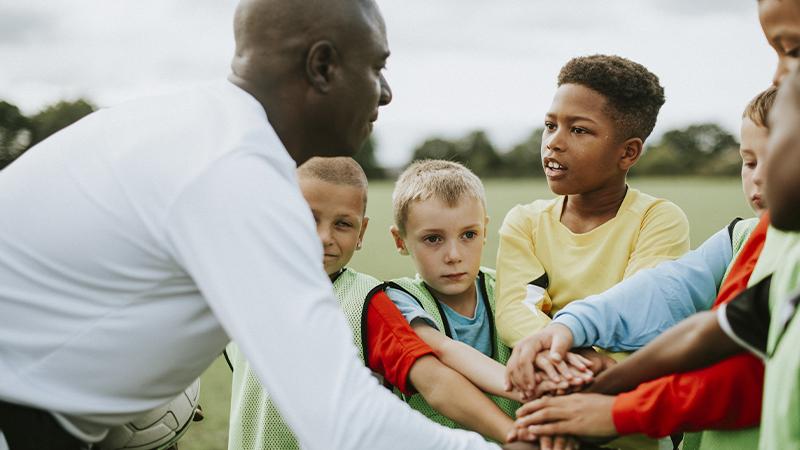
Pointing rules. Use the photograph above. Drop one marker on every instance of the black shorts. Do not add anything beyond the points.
(28, 428)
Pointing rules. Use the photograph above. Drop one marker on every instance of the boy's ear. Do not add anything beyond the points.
(632, 151)
(321, 64)
(399, 242)
(364, 224)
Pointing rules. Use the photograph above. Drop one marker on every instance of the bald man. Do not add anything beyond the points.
(136, 243)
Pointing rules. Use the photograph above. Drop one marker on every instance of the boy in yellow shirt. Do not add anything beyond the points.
(598, 231)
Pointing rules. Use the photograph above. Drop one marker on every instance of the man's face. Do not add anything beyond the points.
(339, 213)
(783, 157)
(446, 244)
(579, 150)
(780, 21)
(362, 88)
(753, 151)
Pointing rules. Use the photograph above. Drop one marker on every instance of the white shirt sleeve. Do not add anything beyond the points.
(244, 234)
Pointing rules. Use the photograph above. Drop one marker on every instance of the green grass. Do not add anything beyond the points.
(710, 205)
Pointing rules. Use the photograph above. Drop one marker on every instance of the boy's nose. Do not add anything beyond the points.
(453, 254)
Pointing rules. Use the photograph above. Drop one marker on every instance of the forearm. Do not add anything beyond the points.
(692, 344)
(634, 312)
(726, 395)
(454, 396)
(486, 373)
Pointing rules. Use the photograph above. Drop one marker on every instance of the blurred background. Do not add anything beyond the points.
(471, 81)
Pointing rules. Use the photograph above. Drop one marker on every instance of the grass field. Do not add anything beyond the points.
(710, 204)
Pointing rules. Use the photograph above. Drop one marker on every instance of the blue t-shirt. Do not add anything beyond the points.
(474, 331)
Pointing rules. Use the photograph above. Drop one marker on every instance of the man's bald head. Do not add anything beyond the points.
(306, 61)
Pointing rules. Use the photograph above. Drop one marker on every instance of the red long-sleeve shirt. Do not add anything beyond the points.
(726, 395)
(392, 345)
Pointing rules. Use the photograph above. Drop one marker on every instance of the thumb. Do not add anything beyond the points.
(559, 347)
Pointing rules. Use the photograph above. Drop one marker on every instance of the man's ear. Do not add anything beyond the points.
(364, 224)
(632, 151)
(399, 242)
(321, 64)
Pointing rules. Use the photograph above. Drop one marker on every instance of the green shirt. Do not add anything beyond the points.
(780, 416)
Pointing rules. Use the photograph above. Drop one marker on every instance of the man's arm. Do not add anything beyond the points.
(636, 310)
(256, 259)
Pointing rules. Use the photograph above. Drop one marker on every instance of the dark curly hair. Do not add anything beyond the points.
(633, 93)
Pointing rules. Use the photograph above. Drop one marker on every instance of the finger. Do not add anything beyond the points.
(546, 443)
(561, 342)
(524, 435)
(577, 361)
(560, 443)
(544, 363)
(512, 435)
(564, 370)
(551, 429)
(532, 406)
(551, 413)
(545, 387)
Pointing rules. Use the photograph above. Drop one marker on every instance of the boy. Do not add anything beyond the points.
(598, 231)
(753, 135)
(711, 397)
(746, 320)
(440, 221)
(336, 191)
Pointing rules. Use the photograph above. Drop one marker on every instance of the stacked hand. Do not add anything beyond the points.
(542, 365)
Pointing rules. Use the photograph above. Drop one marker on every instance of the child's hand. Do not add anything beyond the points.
(597, 362)
(521, 368)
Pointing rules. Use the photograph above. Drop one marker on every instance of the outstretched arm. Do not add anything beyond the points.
(448, 392)
(486, 373)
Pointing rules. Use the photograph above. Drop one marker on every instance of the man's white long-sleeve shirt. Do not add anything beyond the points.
(137, 242)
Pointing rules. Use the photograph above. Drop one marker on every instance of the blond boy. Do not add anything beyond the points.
(336, 191)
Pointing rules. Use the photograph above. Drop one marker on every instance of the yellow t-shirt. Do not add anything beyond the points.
(542, 265)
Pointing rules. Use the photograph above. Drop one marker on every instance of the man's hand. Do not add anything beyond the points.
(520, 371)
(575, 414)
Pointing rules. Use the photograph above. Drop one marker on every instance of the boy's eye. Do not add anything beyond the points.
(470, 235)
(749, 164)
(579, 130)
(344, 224)
(550, 126)
(793, 53)
(433, 239)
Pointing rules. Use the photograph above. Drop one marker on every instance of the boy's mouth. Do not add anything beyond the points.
(553, 168)
(455, 276)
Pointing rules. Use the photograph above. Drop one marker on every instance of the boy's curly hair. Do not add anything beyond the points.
(633, 93)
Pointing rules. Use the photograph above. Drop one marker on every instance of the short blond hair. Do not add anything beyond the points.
(758, 108)
(340, 170)
(447, 181)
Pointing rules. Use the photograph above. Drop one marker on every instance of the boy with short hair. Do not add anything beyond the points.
(440, 221)
(725, 395)
(598, 231)
(753, 147)
(336, 191)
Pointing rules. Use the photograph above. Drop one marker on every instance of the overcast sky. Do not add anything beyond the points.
(456, 65)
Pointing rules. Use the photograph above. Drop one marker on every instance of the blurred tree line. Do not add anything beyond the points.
(702, 149)
(19, 132)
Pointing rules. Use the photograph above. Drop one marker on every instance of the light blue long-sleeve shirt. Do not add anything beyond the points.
(636, 310)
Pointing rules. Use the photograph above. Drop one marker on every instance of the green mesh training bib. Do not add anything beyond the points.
(745, 439)
(255, 423)
(500, 353)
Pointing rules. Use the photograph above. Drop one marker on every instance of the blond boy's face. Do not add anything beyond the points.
(339, 214)
(753, 151)
(445, 243)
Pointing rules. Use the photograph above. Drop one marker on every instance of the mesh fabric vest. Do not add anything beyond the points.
(255, 422)
(500, 353)
(745, 439)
